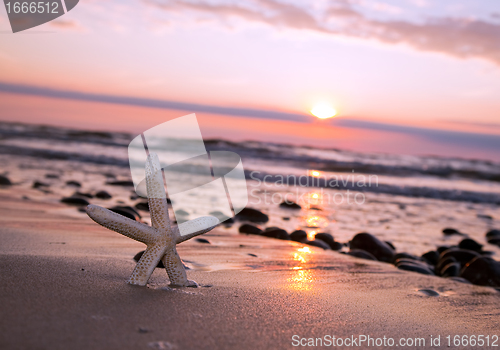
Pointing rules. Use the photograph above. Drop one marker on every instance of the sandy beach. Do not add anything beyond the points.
(64, 286)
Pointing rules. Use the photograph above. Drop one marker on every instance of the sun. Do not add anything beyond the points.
(323, 111)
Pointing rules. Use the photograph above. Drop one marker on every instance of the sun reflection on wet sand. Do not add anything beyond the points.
(301, 278)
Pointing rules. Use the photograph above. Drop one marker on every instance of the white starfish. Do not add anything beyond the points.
(161, 237)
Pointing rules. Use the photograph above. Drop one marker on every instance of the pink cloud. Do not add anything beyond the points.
(458, 37)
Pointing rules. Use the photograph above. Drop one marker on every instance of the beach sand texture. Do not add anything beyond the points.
(64, 287)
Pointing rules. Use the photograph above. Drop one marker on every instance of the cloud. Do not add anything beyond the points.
(458, 37)
(152, 103)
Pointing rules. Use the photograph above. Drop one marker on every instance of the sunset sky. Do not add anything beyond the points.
(406, 76)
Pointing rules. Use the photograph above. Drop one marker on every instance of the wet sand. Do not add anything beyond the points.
(64, 287)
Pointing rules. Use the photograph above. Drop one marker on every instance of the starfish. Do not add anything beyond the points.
(161, 237)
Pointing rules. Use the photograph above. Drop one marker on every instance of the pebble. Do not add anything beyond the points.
(285, 218)
(5, 181)
(252, 215)
(290, 205)
(126, 211)
(360, 253)
(103, 195)
(81, 194)
(451, 231)
(493, 237)
(276, 232)
(327, 238)
(483, 271)
(51, 176)
(38, 184)
(203, 240)
(390, 245)
(442, 263)
(75, 201)
(298, 235)
(462, 256)
(404, 256)
(142, 206)
(73, 183)
(371, 244)
(459, 279)
(318, 243)
(432, 257)
(250, 229)
(470, 244)
(451, 270)
(429, 292)
(120, 183)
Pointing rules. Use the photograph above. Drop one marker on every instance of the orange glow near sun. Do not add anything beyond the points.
(323, 111)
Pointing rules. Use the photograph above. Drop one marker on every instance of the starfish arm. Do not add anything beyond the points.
(118, 223)
(156, 193)
(195, 227)
(175, 269)
(146, 264)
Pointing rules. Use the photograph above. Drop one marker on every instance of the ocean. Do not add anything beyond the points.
(407, 200)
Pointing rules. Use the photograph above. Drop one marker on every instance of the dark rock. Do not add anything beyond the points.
(142, 206)
(276, 233)
(103, 195)
(75, 201)
(250, 229)
(318, 243)
(337, 246)
(4, 181)
(120, 183)
(219, 215)
(483, 271)
(314, 208)
(51, 176)
(429, 292)
(442, 263)
(126, 211)
(451, 270)
(203, 240)
(432, 257)
(290, 205)
(252, 255)
(285, 218)
(229, 221)
(298, 235)
(403, 255)
(252, 215)
(463, 256)
(470, 244)
(415, 268)
(139, 255)
(483, 216)
(442, 248)
(493, 237)
(81, 194)
(390, 245)
(459, 279)
(451, 231)
(372, 245)
(73, 183)
(360, 253)
(327, 238)
(38, 184)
